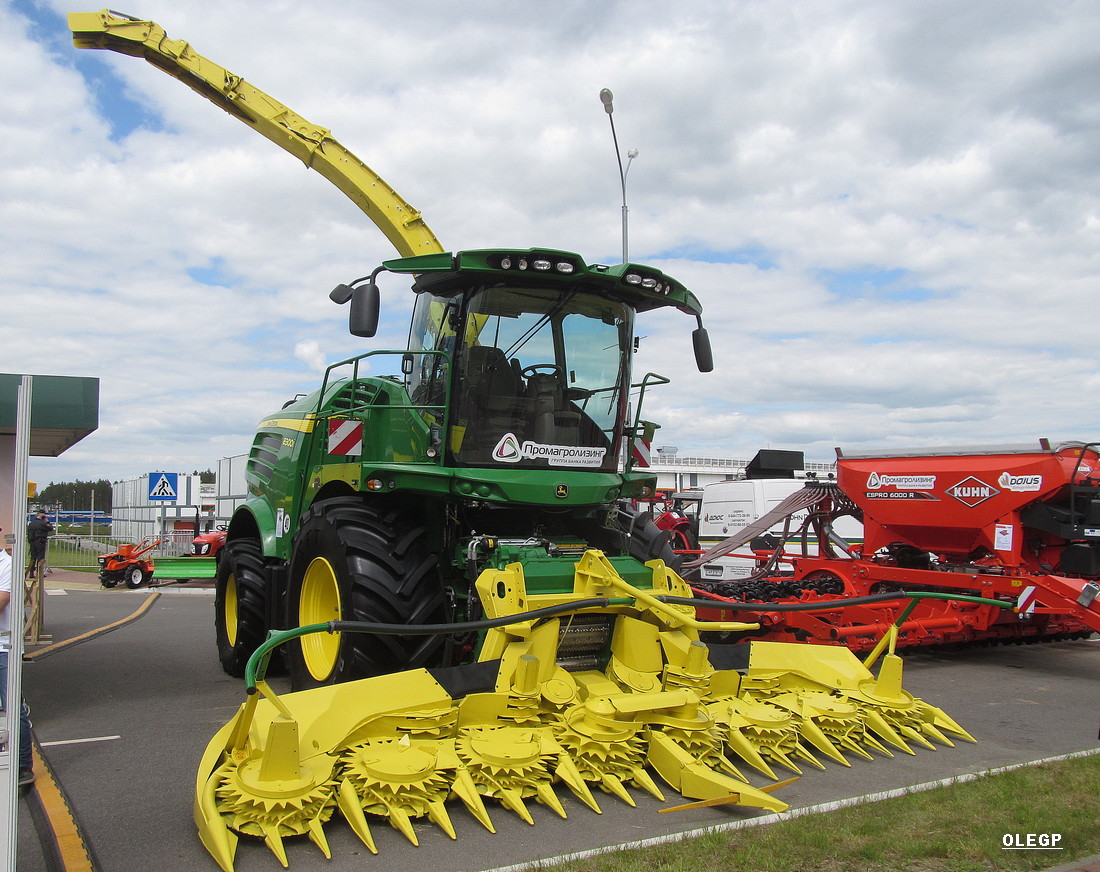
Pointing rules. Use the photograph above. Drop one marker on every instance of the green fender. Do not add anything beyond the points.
(261, 515)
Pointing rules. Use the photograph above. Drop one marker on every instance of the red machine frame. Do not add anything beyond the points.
(1019, 525)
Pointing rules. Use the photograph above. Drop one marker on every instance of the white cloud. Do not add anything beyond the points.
(309, 352)
(914, 183)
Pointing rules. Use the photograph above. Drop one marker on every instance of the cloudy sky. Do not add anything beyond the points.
(890, 210)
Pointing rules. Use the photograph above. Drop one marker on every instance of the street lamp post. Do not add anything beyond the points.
(606, 97)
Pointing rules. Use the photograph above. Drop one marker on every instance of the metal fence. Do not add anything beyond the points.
(82, 552)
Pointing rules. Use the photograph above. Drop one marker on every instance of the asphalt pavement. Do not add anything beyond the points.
(123, 717)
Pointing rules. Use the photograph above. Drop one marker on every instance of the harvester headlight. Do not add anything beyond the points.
(652, 283)
(375, 484)
(541, 263)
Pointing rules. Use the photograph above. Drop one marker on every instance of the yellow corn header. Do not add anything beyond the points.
(648, 703)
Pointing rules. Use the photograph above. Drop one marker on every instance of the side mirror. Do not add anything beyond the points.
(365, 303)
(340, 294)
(704, 359)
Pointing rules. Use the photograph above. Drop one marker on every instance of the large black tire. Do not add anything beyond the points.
(635, 534)
(360, 562)
(643, 540)
(240, 604)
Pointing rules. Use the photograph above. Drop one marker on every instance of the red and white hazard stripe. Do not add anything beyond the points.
(641, 453)
(1025, 603)
(345, 438)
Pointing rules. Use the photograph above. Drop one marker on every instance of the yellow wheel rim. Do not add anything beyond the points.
(229, 609)
(318, 604)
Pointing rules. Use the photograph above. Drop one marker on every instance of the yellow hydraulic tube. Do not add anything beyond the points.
(402, 225)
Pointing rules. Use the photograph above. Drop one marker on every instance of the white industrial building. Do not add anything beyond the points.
(161, 505)
(676, 473)
(231, 487)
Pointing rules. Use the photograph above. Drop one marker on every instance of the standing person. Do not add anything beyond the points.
(38, 534)
(26, 762)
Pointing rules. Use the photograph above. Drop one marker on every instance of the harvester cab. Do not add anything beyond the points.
(525, 355)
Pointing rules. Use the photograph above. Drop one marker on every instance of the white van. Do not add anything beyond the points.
(728, 506)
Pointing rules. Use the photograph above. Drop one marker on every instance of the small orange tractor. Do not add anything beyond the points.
(128, 564)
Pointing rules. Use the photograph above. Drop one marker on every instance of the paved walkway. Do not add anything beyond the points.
(69, 579)
(50, 838)
(1089, 864)
(124, 717)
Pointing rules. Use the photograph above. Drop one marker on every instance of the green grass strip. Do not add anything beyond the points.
(955, 828)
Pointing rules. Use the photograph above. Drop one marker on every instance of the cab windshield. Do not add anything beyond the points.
(538, 375)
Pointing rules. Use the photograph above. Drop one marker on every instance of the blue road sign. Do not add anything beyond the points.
(163, 486)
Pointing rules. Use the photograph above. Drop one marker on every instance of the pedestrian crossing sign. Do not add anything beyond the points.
(163, 485)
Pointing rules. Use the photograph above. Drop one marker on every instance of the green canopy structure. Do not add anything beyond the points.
(64, 409)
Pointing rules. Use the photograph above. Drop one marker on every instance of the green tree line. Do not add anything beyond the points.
(74, 496)
(77, 495)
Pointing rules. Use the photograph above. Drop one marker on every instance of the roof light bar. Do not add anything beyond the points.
(542, 263)
(648, 282)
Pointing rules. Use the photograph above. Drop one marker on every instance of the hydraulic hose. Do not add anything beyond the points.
(253, 672)
(887, 641)
(257, 663)
(829, 605)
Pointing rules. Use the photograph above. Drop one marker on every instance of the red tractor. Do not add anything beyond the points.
(127, 565)
(677, 513)
(209, 544)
